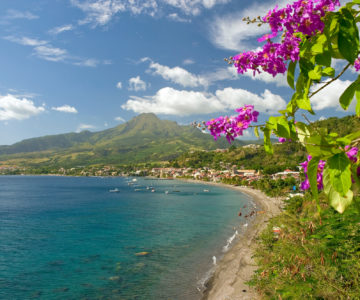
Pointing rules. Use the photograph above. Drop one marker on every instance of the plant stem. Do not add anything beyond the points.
(331, 81)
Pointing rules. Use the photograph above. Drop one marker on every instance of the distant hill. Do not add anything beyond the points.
(145, 138)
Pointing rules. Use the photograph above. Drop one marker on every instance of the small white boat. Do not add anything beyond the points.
(166, 192)
(134, 180)
(206, 191)
(116, 190)
(153, 190)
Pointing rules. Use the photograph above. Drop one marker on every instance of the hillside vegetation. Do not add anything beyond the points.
(144, 138)
(286, 155)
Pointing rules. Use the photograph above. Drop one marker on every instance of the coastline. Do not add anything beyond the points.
(237, 266)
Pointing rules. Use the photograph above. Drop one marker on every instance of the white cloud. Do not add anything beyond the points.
(61, 29)
(136, 84)
(178, 75)
(188, 61)
(82, 127)
(15, 14)
(267, 102)
(66, 109)
(101, 12)
(184, 103)
(194, 7)
(26, 41)
(120, 119)
(231, 33)
(119, 85)
(329, 96)
(90, 62)
(228, 73)
(44, 50)
(50, 53)
(278, 80)
(175, 17)
(12, 108)
(184, 78)
(322, 118)
(174, 102)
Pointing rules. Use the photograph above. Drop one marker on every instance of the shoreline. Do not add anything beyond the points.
(228, 282)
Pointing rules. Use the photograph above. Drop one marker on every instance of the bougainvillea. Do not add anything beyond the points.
(305, 37)
(301, 17)
(305, 185)
(233, 126)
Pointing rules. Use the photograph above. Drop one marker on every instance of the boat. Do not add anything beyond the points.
(134, 180)
(116, 190)
(206, 191)
(166, 192)
(153, 190)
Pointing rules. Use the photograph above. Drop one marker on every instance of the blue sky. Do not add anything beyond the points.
(71, 65)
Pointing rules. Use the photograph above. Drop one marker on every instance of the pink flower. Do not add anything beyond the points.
(233, 126)
(352, 153)
(303, 16)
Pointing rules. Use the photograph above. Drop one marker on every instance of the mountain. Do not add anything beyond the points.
(145, 138)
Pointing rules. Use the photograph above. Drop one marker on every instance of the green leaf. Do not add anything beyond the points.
(331, 24)
(357, 94)
(343, 141)
(303, 131)
(318, 145)
(283, 128)
(348, 95)
(328, 72)
(354, 135)
(337, 201)
(305, 65)
(318, 47)
(340, 173)
(348, 39)
(324, 59)
(312, 175)
(316, 73)
(302, 90)
(272, 123)
(291, 74)
(291, 106)
(256, 131)
(304, 103)
(267, 142)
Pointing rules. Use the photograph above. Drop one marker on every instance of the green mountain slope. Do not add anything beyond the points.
(144, 138)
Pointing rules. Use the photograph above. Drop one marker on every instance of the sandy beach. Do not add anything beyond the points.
(237, 265)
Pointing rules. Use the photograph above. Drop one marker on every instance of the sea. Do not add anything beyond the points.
(113, 237)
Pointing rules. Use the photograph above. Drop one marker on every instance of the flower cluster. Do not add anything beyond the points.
(303, 16)
(284, 140)
(352, 153)
(233, 126)
(305, 185)
(357, 64)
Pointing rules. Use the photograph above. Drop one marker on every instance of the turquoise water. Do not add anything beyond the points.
(70, 238)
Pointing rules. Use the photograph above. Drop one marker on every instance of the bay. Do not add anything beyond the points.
(71, 238)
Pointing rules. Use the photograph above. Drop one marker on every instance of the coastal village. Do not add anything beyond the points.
(227, 171)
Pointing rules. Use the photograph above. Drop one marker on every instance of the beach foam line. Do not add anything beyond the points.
(229, 241)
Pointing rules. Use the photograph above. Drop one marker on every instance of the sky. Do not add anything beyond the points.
(73, 65)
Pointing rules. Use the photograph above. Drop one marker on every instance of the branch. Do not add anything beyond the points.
(331, 81)
(306, 118)
(251, 126)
